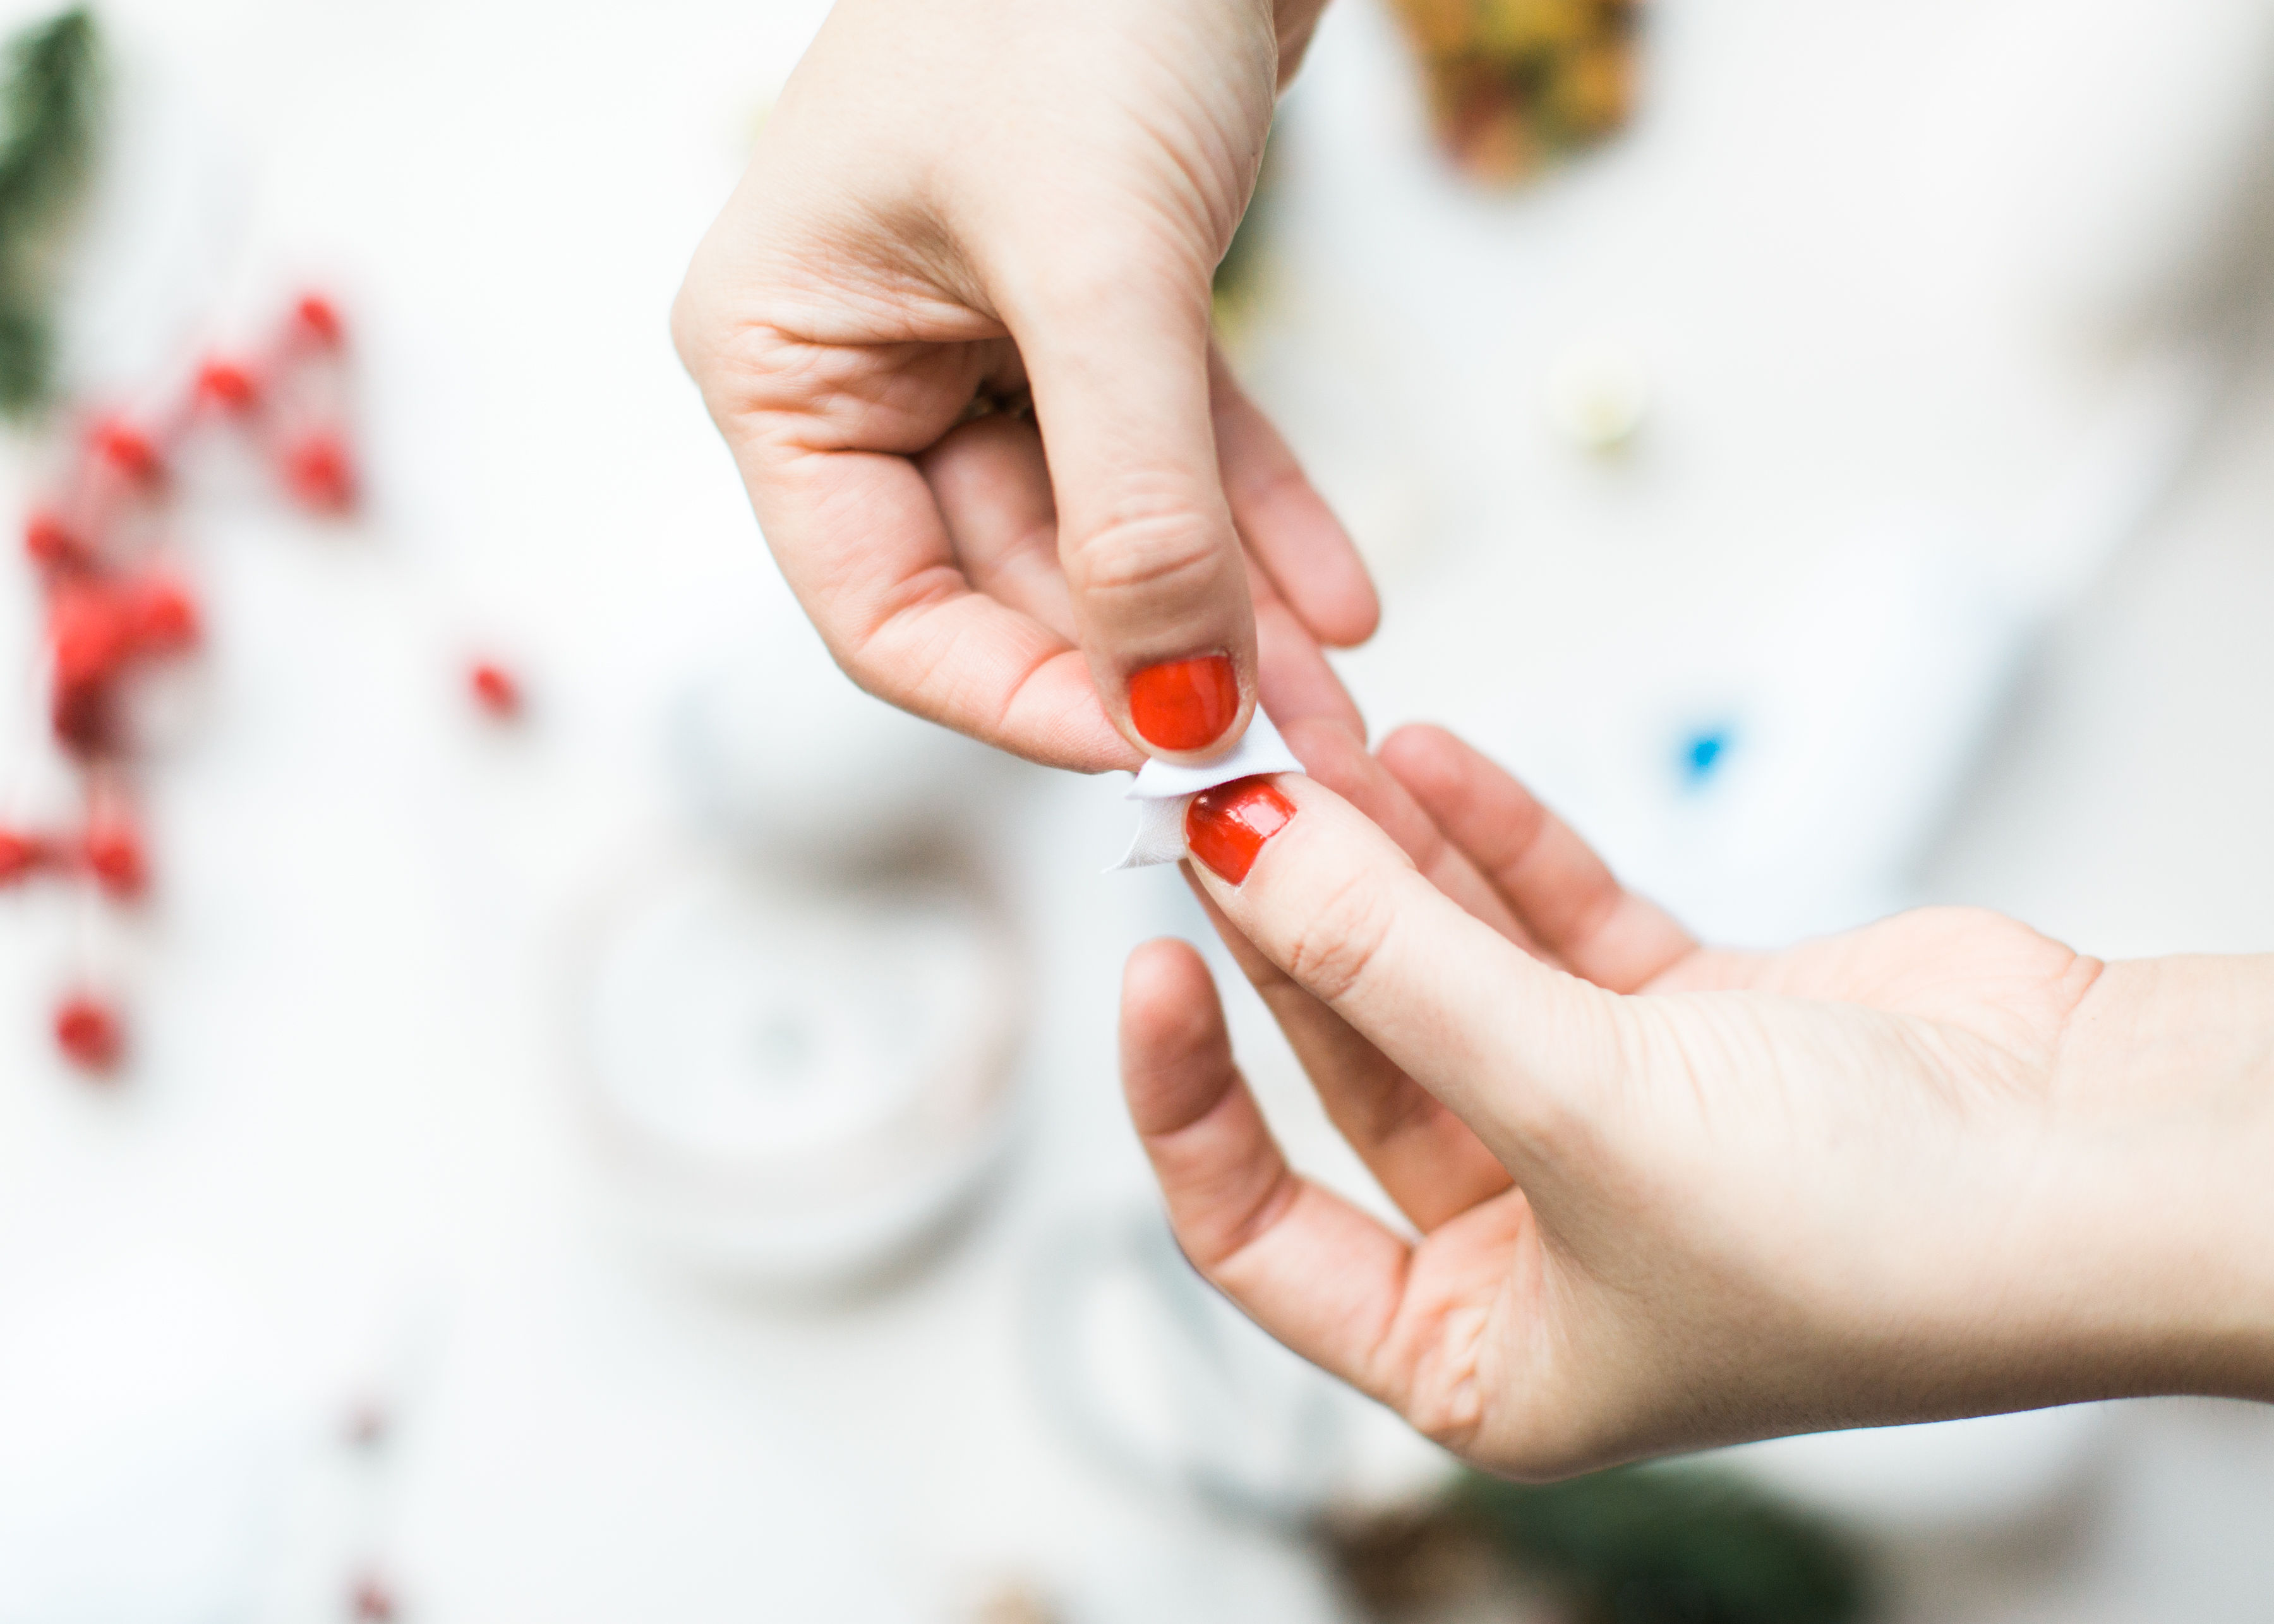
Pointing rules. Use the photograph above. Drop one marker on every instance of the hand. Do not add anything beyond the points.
(962, 203)
(1666, 1196)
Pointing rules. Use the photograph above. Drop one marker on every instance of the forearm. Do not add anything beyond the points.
(2166, 1096)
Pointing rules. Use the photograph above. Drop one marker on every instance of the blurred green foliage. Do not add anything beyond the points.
(49, 108)
(1673, 1545)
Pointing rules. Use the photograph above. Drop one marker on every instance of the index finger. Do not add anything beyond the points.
(862, 543)
(1551, 878)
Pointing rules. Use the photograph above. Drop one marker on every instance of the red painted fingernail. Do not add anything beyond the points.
(1185, 705)
(1226, 826)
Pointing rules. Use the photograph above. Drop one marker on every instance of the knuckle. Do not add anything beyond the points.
(1449, 1415)
(1341, 940)
(1151, 547)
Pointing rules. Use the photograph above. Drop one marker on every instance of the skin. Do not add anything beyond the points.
(1663, 1196)
(960, 203)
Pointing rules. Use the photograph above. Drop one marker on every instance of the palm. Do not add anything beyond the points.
(1807, 1072)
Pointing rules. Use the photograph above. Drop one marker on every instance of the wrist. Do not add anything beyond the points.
(2164, 1089)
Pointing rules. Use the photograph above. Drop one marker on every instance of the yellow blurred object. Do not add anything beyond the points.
(1513, 84)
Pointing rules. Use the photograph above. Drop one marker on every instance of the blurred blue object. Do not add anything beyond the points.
(1702, 752)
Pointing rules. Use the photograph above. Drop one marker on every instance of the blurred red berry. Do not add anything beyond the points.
(161, 616)
(85, 718)
(88, 1031)
(371, 1601)
(51, 546)
(494, 689)
(113, 850)
(22, 855)
(321, 317)
(365, 1427)
(90, 631)
(228, 385)
(129, 450)
(319, 473)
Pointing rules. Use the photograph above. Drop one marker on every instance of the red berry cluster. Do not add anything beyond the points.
(114, 608)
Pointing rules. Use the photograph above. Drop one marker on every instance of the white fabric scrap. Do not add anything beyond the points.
(1162, 791)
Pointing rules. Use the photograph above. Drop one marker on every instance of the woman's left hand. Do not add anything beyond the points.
(1665, 1197)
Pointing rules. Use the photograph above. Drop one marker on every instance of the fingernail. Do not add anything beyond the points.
(1226, 826)
(1185, 705)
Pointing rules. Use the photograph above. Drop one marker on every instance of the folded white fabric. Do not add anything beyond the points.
(1162, 791)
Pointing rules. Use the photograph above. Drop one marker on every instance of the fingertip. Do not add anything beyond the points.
(1176, 1051)
(1328, 834)
(1295, 535)
(1420, 752)
(1352, 614)
(1294, 682)
(1158, 979)
(1170, 1011)
(1330, 751)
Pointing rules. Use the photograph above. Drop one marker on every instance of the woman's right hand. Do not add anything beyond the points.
(961, 202)
(1663, 1196)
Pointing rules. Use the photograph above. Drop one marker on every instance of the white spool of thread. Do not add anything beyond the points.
(793, 1083)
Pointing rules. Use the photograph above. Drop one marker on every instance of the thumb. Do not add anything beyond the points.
(1503, 1040)
(1119, 369)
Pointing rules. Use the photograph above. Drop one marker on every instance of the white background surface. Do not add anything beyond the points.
(1865, 276)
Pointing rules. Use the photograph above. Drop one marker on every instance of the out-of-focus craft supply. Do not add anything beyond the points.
(1164, 1384)
(1163, 791)
(371, 1600)
(173, 1453)
(49, 113)
(1598, 391)
(1159, 1381)
(778, 752)
(1010, 1601)
(1513, 85)
(495, 690)
(793, 1077)
(1798, 789)
(800, 1032)
(87, 1031)
(1650, 1544)
(118, 604)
